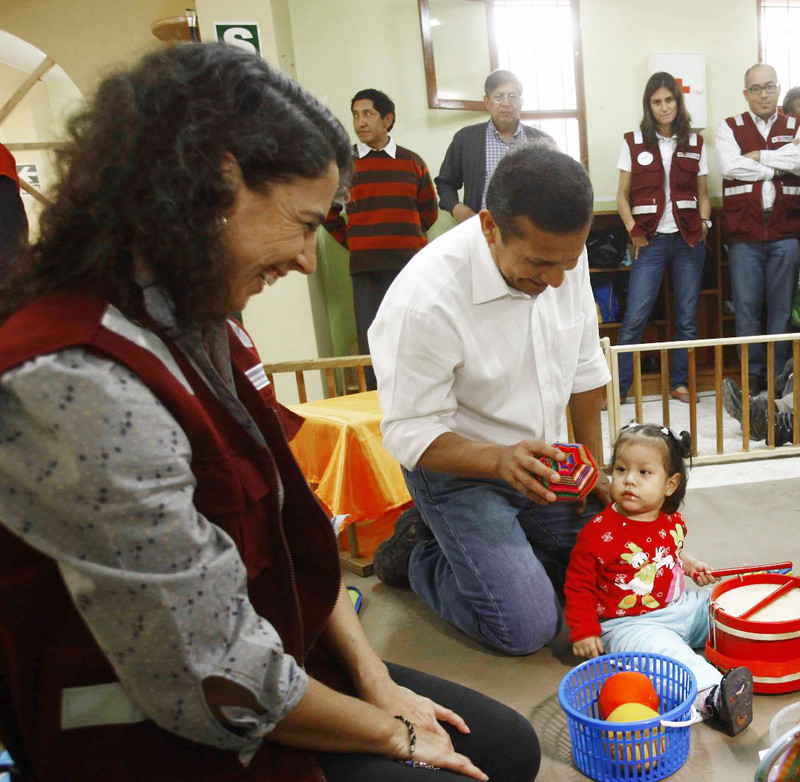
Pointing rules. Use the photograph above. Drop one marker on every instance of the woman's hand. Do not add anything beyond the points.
(588, 647)
(638, 242)
(423, 712)
(433, 749)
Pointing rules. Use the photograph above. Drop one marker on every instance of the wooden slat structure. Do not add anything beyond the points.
(743, 344)
(329, 367)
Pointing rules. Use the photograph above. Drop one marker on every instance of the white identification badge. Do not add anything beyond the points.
(257, 376)
(692, 155)
(644, 158)
(782, 139)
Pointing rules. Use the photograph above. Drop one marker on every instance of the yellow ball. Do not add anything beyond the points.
(646, 742)
(631, 712)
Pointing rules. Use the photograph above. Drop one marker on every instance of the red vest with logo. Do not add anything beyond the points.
(744, 215)
(285, 540)
(647, 196)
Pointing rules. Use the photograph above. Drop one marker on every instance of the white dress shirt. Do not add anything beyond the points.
(734, 165)
(456, 350)
(666, 146)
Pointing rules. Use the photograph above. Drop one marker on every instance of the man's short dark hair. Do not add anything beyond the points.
(498, 77)
(548, 187)
(789, 99)
(380, 100)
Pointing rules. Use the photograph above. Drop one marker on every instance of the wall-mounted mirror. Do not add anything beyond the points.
(539, 40)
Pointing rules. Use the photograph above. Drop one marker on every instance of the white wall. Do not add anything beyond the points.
(618, 36)
(336, 47)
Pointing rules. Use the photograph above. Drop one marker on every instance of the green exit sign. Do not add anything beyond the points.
(242, 34)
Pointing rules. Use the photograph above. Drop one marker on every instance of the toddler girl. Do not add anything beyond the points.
(624, 588)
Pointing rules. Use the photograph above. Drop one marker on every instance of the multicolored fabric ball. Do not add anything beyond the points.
(578, 472)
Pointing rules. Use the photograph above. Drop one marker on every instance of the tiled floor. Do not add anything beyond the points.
(742, 513)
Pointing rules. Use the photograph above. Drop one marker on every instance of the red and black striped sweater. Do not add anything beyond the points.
(392, 204)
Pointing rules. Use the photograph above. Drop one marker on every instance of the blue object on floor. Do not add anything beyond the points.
(5, 762)
(355, 596)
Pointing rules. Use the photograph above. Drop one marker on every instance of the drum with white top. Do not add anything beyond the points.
(767, 640)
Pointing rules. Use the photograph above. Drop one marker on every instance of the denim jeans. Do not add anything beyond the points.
(686, 269)
(675, 630)
(497, 560)
(763, 272)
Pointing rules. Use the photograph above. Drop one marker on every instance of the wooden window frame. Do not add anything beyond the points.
(436, 102)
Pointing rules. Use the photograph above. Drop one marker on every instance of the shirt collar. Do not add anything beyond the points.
(390, 149)
(518, 133)
(487, 282)
(760, 121)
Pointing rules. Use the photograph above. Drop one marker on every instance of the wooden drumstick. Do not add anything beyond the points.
(737, 571)
(791, 584)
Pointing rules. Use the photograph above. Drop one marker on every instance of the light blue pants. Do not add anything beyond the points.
(674, 631)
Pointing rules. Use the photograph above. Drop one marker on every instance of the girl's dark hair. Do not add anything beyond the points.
(681, 127)
(141, 178)
(677, 448)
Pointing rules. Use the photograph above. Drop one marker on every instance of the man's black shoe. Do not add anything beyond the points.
(392, 556)
(732, 399)
(731, 701)
(784, 423)
(756, 384)
(759, 419)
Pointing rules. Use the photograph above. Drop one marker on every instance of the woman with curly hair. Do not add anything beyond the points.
(662, 198)
(171, 605)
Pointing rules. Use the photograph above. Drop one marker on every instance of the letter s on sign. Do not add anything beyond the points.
(241, 37)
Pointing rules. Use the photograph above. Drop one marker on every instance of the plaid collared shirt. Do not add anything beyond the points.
(496, 150)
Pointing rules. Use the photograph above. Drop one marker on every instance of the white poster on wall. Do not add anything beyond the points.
(689, 69)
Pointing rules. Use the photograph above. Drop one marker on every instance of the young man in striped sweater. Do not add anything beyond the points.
(392, 204)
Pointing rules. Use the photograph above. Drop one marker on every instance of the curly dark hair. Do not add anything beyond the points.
(681, 125)
(141, 178)
(675, 448)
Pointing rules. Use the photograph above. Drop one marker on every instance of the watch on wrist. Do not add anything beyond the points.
(707, 222)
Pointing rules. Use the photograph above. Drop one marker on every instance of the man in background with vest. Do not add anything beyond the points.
(761, 202)
(476, 150)
(392, 204)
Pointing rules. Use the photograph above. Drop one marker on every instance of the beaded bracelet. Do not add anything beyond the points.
(412, 746)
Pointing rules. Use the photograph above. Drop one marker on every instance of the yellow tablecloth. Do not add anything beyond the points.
(340, 450)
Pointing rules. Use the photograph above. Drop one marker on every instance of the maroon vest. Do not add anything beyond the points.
(289, 552)
(647, 197)
(741, 201)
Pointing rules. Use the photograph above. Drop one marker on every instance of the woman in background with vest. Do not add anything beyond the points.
(663, 201)
(171, 605)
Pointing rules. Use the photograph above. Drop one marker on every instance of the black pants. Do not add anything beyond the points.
(502, 742)
(369, 288)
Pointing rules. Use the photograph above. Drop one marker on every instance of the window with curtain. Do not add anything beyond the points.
(539, 40)
(779, 33)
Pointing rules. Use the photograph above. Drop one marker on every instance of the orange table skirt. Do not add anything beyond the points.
(340, 451)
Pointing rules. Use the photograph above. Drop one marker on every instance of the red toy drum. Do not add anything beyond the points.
(768, 641)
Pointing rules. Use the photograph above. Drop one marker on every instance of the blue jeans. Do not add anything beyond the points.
(647, 272)
(763, 271)
(497, 560)
(675, 630)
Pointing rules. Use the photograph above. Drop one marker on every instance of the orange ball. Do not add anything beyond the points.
(626, 687)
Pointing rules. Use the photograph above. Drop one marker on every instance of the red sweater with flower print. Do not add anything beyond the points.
(621, 567)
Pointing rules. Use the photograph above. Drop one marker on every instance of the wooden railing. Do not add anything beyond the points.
(331, 367)
(345, 374)
(742, 378)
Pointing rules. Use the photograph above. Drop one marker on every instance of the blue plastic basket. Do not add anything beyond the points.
(642, 751)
